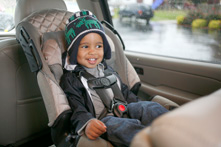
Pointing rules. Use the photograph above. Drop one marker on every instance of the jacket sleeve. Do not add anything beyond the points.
(77, 98)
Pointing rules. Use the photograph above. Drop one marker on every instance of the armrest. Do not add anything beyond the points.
(168, 104)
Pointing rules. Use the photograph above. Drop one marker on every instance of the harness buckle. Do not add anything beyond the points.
(119, 108)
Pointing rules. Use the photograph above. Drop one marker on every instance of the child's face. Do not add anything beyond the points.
(90, 50)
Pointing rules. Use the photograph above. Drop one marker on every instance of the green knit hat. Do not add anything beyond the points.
(80, 24)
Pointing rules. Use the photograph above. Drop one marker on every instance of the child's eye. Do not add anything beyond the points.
(99, 46)
(84, 46)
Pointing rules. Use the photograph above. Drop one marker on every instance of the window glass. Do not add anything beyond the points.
(7, 9)
(72, 5)
(186, 29)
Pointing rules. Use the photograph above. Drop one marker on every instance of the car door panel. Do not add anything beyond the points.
(176, 79)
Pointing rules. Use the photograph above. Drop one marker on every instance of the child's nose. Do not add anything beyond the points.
(92, 51)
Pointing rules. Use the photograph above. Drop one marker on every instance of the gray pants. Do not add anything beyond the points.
(120, 131)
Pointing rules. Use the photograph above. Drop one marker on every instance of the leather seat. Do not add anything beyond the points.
(20, 97)
(22, 111)
(195, 124)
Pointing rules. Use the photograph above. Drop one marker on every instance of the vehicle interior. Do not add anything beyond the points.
(34, 110)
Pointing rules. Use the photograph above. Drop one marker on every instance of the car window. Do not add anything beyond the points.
(186, 29)
(72, 5)
(127, 7)
(7, 9)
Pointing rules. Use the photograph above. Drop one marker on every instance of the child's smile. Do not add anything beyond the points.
(92, 60)
(90, 50)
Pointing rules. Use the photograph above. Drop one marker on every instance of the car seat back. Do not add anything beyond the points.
(195, 124)
(22, 111)
(26, 7)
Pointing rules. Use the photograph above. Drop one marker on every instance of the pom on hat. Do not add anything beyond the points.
(78, 25)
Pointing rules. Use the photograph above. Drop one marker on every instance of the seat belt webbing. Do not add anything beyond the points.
(100, 84)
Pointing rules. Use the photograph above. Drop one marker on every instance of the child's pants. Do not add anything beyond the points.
(120, 131)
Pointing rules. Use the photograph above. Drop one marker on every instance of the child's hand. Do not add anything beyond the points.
(94, 129)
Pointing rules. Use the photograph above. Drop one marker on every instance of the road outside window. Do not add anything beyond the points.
(185, 29)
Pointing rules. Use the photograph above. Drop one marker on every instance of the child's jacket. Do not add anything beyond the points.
(80, 101)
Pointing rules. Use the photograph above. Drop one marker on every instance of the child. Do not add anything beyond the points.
(87, 49)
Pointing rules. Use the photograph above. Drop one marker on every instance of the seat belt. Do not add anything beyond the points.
(118, 105)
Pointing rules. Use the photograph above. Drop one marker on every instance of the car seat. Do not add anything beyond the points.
(41, 35)
(195, 124)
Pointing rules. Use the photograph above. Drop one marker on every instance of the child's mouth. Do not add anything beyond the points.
(92, 60)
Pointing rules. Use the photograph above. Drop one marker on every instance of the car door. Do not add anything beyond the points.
(177, 79)
(181, 79)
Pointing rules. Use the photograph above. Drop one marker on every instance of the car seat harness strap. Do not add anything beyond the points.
(117, 106)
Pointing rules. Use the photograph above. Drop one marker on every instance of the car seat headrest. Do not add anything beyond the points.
(26, 7)
(111, 61)
(59, 37)
(41, 22)
(52, 52)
